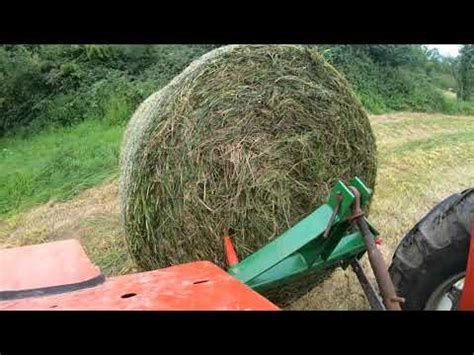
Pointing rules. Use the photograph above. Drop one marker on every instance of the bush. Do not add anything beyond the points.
(388, 78)
(42, 85)
(64, 84)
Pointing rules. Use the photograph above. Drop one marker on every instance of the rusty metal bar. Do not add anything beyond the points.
(387, 289)
(369, 290)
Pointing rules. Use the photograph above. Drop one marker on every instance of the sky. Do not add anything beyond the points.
(447, 50)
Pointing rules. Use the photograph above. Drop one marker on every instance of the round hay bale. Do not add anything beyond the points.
(248, 138)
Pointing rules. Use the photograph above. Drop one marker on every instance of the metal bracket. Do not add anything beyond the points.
(369, 290)
(364, 191)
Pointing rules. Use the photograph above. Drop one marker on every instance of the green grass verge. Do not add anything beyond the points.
(56, 163)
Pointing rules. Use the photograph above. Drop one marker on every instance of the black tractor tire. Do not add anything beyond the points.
(433, 251)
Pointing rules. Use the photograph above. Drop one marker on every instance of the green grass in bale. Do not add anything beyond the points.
(247, 138)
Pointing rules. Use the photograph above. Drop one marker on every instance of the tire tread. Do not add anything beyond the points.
(436, 246)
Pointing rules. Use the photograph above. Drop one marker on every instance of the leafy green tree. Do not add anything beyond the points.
(465, 72)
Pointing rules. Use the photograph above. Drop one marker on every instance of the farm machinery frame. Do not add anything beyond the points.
(59, 275)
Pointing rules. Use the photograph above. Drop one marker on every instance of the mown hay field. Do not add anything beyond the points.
(421, 159)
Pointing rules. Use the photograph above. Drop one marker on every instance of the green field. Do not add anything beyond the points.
(64, 108)
(56, 164)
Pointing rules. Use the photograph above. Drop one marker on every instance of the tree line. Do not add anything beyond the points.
(42, 85)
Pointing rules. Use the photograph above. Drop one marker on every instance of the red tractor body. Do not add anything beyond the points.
(60, 276)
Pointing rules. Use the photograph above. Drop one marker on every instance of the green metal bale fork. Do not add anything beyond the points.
(335, 234)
